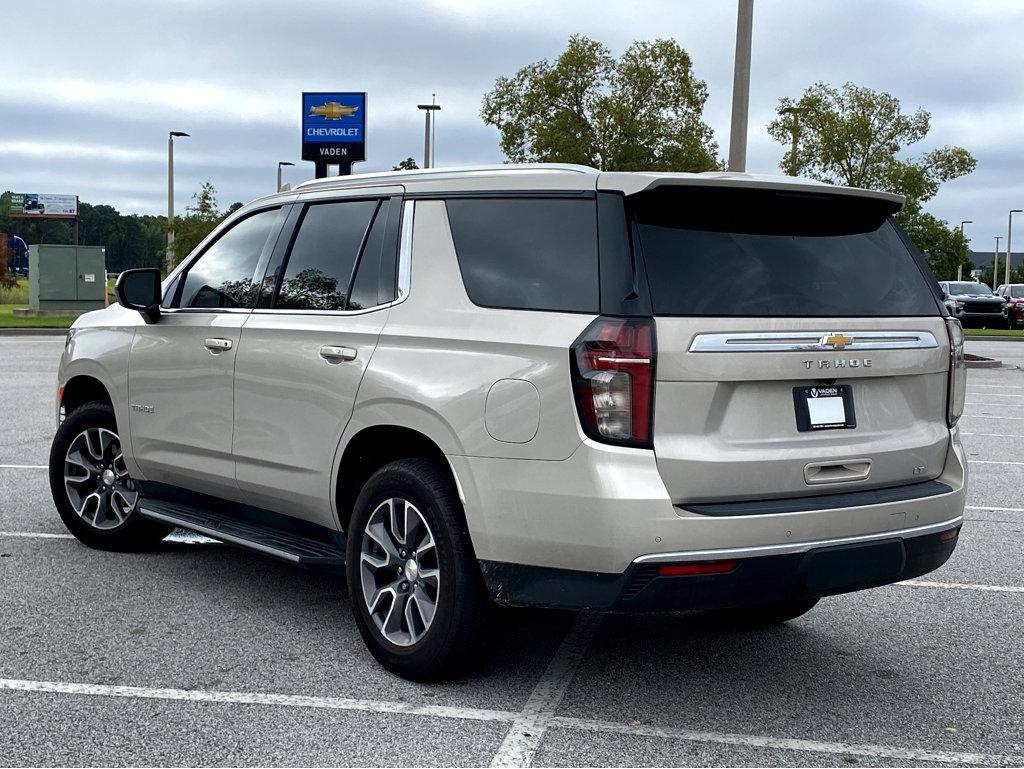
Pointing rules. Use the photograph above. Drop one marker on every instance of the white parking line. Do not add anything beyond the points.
(786, 743)
(181, 537)
(962, 586)
(991, 462)
(994, 435)
(990, 416)
(23, 467)
(971, 386)
(521, 743)
(256, 698)
(995, 395)
(995, 509)
(481, 714)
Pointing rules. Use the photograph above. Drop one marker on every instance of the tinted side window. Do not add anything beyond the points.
(527, 254)
(721, 252)
(366, 285)
(224, 276)
(320, 263)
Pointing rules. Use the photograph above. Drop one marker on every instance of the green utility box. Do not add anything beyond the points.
(66, 279)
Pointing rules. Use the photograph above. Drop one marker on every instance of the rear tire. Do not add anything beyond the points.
(765, 614)
(92, 490)
(414, 581)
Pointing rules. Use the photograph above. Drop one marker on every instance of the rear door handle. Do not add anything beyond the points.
(337, 354)
(217, 345)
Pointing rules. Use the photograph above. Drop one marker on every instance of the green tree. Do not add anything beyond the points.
(406, 165)
(200, 218)
(857, 136)
(642, 111)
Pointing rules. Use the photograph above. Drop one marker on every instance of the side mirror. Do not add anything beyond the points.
(140, 290)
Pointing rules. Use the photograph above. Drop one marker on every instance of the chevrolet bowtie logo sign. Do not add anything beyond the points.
(837, 340)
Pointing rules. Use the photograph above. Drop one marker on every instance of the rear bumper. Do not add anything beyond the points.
(758, 578)
(607, 508)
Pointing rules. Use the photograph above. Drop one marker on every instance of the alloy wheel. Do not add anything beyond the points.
(96, 479)
(398, 569)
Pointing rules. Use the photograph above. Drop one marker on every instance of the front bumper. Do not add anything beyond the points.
(819, 570)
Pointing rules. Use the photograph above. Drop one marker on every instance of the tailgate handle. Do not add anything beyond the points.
(837, 472)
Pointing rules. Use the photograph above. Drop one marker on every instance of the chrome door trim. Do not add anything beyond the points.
(796, 547)
(805, 341)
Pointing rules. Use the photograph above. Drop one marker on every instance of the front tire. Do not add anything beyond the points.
(414, 582)
(94, 494)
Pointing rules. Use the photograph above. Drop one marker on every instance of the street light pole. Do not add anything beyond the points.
(429, 110)
(795, 112)
(170, 196)
(280, 180)
(995, 261)
(741, 87)
(960, 267)
(1009, 248)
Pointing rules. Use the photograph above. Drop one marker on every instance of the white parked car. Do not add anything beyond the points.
(531, 385)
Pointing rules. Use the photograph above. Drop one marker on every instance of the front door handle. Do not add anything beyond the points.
(217, 345)
(337, 354)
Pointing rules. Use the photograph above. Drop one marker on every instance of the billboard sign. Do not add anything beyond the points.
(334, 127)
(42, 205)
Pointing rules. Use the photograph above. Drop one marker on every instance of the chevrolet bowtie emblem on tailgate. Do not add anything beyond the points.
(837, 339)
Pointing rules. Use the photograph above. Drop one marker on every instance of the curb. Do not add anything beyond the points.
(33, 332)
(984, 338)
(977, 361)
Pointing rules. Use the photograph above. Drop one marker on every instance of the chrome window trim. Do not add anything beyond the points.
(804, 341)
(796, 547)
(405, 250)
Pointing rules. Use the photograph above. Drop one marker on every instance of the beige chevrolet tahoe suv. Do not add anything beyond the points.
(531, 385)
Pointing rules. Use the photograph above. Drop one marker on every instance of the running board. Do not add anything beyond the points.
(294, 548)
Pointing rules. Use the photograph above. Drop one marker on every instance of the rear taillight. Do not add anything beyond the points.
(613, 380)
(957, 372)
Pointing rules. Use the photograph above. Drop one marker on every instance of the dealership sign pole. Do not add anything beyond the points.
(334, 130)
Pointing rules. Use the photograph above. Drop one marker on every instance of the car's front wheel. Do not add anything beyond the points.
(414, 582)
(92, 489)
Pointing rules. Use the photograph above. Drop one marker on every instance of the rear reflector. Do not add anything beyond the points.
(949, 534)
(701, 567)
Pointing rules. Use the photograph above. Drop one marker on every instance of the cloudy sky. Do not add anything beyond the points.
(90, 89)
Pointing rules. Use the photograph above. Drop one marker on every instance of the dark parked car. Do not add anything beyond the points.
(1013, 295)
(974, 304)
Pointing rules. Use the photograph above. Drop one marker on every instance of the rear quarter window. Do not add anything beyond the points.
(723, 252)
(527, 253)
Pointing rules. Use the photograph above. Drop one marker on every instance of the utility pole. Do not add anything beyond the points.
(960, 267)
(741, 87)
(1009, 248)
(169, 260)
(429, 110)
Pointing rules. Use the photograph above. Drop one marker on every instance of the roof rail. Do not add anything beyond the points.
(427, 173)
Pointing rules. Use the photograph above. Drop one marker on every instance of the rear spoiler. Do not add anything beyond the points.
(629, 183)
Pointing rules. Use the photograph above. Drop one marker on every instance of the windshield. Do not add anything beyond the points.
(1017, 292)
(754, 252)
(970, 289)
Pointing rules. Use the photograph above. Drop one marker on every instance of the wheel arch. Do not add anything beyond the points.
(81, 389)
(374, 446)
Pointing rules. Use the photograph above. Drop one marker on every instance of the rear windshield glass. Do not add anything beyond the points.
(527, 254)
(722, 252)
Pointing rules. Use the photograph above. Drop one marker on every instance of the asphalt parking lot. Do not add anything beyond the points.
(202, 654)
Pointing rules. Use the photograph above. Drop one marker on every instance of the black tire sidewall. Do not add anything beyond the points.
(424, 485)
(136, 533)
